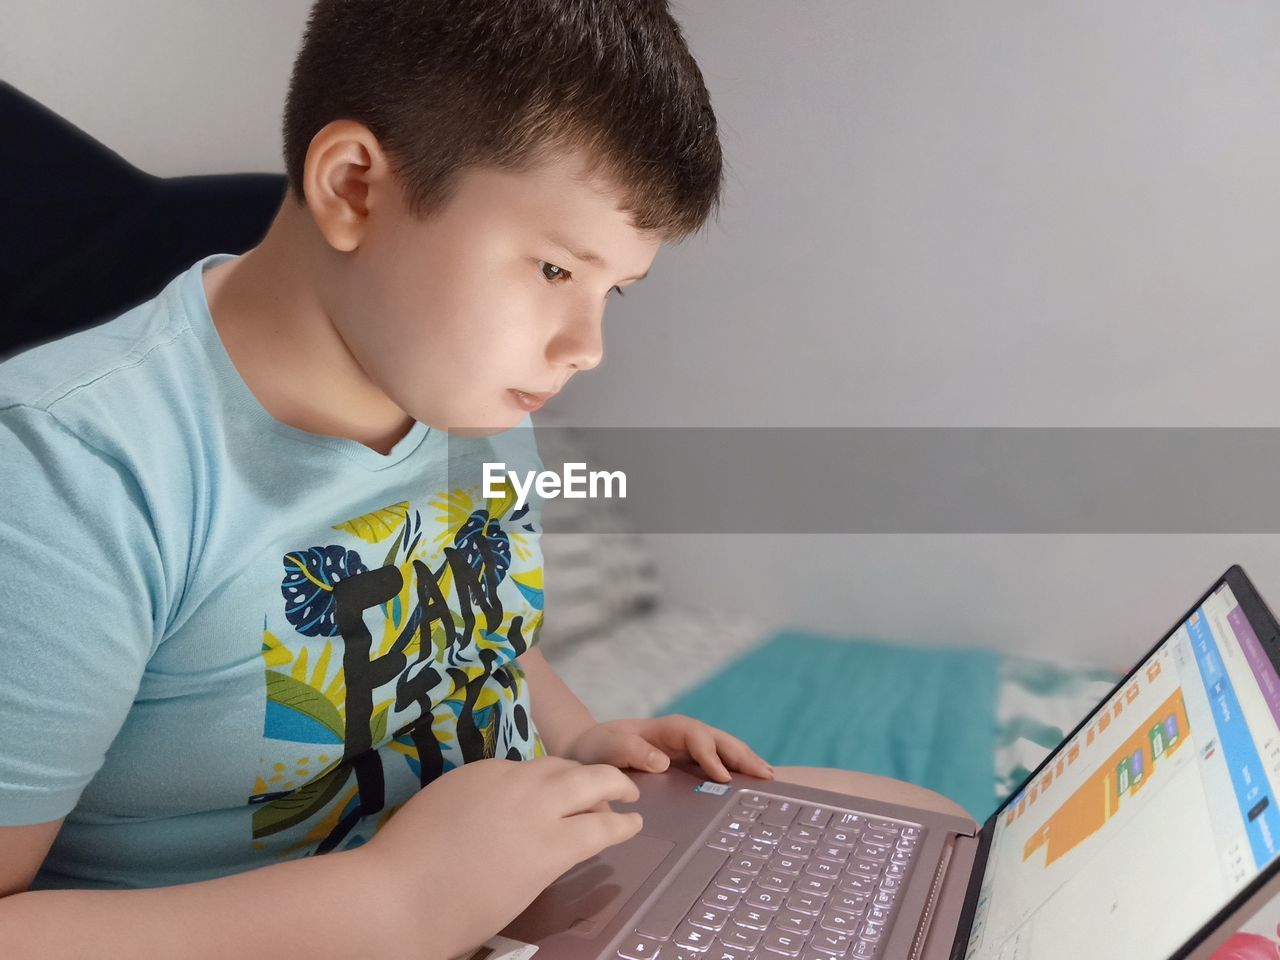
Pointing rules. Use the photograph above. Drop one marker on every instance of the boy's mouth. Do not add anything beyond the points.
(530, 401)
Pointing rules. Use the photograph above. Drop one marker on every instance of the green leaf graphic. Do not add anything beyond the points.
(300, 804)
(310, 702)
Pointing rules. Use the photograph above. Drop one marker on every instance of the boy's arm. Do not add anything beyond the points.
(318, 907)
(559, 716)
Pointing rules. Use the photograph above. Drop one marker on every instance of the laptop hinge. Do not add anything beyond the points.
(935, 889)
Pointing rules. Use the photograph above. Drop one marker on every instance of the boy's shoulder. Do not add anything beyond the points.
(119, 370)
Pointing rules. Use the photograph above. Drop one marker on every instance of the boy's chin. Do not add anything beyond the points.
(485, 430)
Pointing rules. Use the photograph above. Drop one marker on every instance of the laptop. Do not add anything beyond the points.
(1150, 832)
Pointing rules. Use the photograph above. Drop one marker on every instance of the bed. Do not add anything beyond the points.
(968, 723)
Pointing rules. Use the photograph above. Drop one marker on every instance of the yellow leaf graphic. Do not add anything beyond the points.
(299, 671)
(273, 651)
(379, 525)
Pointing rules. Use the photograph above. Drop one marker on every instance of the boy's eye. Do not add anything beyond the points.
(558, 274)
(552, 273)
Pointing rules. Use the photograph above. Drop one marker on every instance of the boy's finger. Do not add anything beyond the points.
(703, 748)
(645, 756)
(748, 761)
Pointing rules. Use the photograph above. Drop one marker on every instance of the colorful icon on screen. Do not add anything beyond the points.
(1156, 737)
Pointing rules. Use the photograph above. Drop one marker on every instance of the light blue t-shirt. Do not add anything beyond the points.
(227, 641)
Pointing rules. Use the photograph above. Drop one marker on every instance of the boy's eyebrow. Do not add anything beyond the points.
(587, 256)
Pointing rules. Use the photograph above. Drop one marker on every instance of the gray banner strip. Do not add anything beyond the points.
(927, 480)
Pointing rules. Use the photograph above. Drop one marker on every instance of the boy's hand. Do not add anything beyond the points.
(651, 744)
(533, 819)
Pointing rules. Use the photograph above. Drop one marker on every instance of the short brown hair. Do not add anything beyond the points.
(449, 84)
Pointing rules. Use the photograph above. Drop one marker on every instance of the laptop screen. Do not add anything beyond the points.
(1153, 816)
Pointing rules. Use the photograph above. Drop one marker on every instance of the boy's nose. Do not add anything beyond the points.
(579, 342)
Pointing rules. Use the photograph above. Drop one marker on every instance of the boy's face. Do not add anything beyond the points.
(462, 318)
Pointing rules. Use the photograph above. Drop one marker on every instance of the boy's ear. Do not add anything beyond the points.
(344, 173)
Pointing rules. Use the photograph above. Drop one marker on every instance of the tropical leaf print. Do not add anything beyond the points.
(529, 584)
(297, 711)
(298, 805)
(377, 526)
(328, 825)
(309, 577)
(478, 532)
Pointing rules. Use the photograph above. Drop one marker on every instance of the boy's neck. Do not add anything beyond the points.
(268, 308)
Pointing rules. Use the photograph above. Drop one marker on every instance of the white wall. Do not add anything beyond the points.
(992, 213)
(175, 87)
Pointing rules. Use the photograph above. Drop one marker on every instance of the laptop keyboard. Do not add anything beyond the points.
(777, 878)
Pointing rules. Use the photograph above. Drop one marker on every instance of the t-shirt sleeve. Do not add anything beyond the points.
(79, 582)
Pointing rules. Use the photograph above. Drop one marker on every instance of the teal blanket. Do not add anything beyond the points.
(926, 716)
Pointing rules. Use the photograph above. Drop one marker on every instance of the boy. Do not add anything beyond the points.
(255, 604)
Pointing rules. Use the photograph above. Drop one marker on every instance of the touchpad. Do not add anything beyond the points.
(586, 898)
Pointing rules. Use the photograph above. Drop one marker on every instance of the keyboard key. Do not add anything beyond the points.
(743, 812)
(838, 921)
(775, 881)
(637, 947)
(842, 836)
(897, 870)
(878, 914)
(780, 813)
(886, 825)
(810, 834)
(721, 899)
(865, 948)
(831, 943)
(817, 886)
(766, 832)
(694, 938)
(879, 838)
(822, 868)
(756, 848)
(739, 938)
(720, 951)
(814, 816)
(794, 922)
(849, 819)
(832, 852)
(661, 918)
(746, 864)
(865, 851)
(787, 944)
(864, 868)
(884, 898)
(871, 931)
(765, 899)
(848, 902)
(805, 903)
(911, 833)
(793, 848)
(708, 917)
(753, 918)
(863, 886)
(734, 826)
(724, 841)
(753, 800)
(781, 863)
(731, 879)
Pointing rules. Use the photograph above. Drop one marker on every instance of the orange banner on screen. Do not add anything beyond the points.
(1122, 775)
